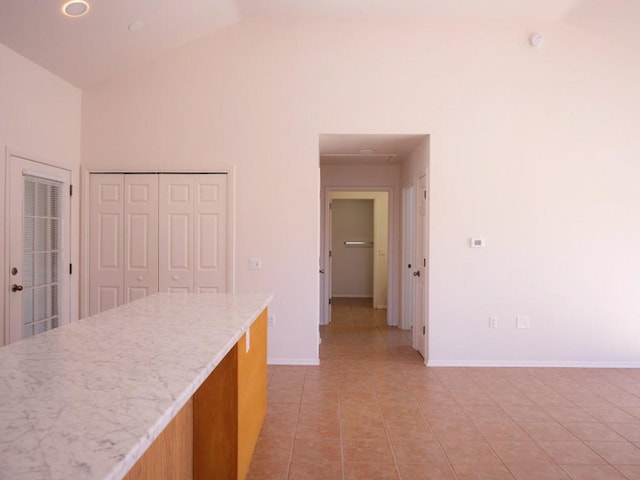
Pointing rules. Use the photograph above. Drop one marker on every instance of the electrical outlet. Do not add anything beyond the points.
(493, 322)
(271, 320)
(522, 322)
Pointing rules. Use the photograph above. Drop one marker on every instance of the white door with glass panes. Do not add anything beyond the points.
(156, 232)
(38, 207)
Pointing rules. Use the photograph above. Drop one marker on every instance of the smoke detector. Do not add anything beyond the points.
(536, 40)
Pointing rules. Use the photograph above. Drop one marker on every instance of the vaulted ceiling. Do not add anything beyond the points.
(93, 48)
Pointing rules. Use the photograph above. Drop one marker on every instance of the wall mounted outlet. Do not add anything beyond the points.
(271, 320)
(522, 322)
(493, 322)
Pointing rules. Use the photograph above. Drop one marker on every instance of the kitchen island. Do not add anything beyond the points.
(170, 386)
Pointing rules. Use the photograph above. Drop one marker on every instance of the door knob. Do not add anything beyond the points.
(16, 288)
(416, 273)
(322, 270)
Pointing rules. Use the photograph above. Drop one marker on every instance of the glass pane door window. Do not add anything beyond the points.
(42, 237)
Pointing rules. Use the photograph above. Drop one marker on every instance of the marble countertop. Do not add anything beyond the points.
(86, 400)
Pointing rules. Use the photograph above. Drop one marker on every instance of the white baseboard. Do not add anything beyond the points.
(294, 361)
(531, 364)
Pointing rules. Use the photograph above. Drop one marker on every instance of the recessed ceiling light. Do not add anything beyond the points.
(75, 8)
(136, 26)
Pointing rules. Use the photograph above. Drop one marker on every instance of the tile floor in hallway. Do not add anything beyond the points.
(373, 411)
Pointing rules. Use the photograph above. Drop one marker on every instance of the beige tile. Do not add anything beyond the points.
(375, 411)
(592, 472)
(500, 430)
(571, 453)
(630, 430)
(483, 472)
(520, 452)
(319, 470)
(571, 414)
(319, 449)
(367, 450)
(410, 471)
(473, 452)
(589, 431)
(408, 428)
(271, 469)
(273, 448)
(617, 453)
(631, 472)
(538, 472)
(610, 414)
(456, 430)
(370, 471)
(548, 431)
(418, 451)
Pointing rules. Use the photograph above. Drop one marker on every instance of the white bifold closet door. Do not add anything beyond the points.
(156, 232)
(192, 240)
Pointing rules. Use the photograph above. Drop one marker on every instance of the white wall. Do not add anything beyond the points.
(535, 150)
(39, 118)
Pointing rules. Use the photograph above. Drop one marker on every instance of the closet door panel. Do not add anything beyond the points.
(140, 236)
(175, 241)
(106, 256)
(210, 225)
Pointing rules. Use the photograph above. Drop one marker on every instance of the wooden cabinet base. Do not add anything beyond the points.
(170, 456)
(214, 435)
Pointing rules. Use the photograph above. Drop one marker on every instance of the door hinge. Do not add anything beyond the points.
(424, 330)
(70, 190)
(70, 268)
(424, 262)
(425, 194)
(329, 253)
(409, 266)
(330, 205)
(329, 301)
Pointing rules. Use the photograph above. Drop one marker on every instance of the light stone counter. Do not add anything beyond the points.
(86, 400)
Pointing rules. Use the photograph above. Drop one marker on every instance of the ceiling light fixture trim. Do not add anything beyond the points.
(75, 8)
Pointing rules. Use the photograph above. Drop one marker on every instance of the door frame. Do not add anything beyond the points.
(85, 217)
(325, 232)
(5, 232)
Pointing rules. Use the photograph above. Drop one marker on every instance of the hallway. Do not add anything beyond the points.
(373, 411)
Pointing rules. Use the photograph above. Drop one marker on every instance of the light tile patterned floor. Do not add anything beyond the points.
(373, 411)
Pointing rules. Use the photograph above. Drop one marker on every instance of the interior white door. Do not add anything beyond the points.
(38, 213)
(192, 233)
(408, 257)
(420, 272)
(140, 236)
(106, 246)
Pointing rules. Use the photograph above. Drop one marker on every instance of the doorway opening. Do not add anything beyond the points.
(393, 164)
(359, 242)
